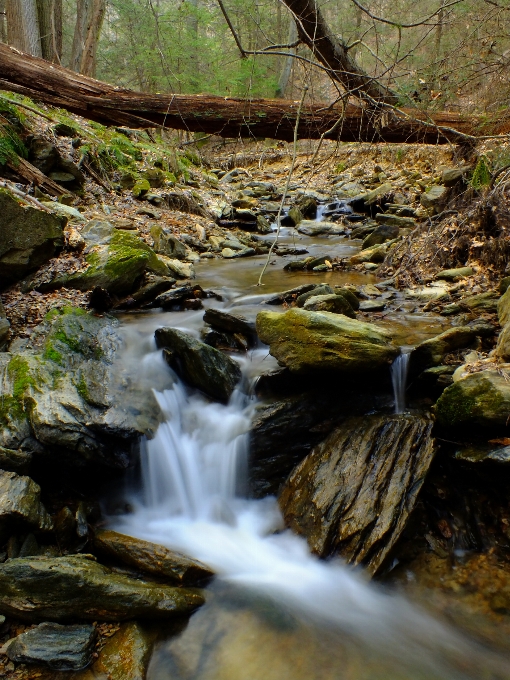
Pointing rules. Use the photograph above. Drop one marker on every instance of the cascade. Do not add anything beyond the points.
(399, 373)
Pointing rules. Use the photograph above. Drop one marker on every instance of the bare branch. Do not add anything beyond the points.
(395, 23)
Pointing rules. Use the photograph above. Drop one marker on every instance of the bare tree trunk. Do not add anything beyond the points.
(88, 60)
(289, 61)
(332, 52)
(192, 25)
(50, 26)
(3, 22)
(23, 26)
(83, 13)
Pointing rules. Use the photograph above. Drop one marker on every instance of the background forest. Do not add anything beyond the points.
(441, 54)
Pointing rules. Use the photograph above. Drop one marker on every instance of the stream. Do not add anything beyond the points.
(274, 611)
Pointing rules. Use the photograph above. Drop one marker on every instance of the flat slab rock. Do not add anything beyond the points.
(151, 558)
(353, 494)
(61, 648)
(76, 586)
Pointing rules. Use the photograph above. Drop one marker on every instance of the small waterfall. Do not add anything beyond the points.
(399, 373)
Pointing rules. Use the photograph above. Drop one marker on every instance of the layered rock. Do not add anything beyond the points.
(306, 341)
(20, 504)
(58, 588)
(352, 495)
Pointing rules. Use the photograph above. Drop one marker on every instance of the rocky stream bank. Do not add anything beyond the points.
(419, 499)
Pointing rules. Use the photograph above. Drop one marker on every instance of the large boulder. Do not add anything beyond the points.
(165, 243)
(20, 504)
(63, 397)
(479, 399)
(198, 364)
(383, 233)
(28, 238)
(308, 341)
(62, 588)
(354, 492)
(61, 648)
(151, 558)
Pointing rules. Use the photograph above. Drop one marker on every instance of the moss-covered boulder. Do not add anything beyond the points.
(478, 399)
(337, 304)
(28, 238)
(118, 266)
(62, 398)
(308, 341)
(62, 588)
(198, 364)
(165, 243)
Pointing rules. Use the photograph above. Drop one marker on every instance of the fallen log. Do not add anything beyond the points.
(228, 116)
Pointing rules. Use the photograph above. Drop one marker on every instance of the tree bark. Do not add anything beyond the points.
(229, 116)
(3, 22)
(89, 56)
(23, 26)
(83, 12)
(289, 61)
(332, 53)
(50, 27)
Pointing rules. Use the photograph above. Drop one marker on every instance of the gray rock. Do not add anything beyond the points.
(372, 306)
(28, 238)
(290, 295)
(452, 176)
(20, 504)
(155, 287)
(62, 588)
(337, 304)
(349, 295)
(311, 228)
(4, 327)
(354, 492)
(434, 198)
(15, 460)
(97, 232)
(61, 648)
(173, 298)
(322, 289)
(432, 352)
(455, 274)
(395, 221)
(385, 232)
(167, 244)
(198, 364)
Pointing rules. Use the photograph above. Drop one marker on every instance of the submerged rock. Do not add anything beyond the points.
(28, 238)
(61, 588)
(478, 399)
(198, 364)
(61, 648)
(151, 558)
(20, 504)
(352, 495)
(307, 341)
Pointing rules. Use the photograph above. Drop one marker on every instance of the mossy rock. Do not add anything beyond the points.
(28, 238)
(141, 187)
(432, 351)
(306, 341)
(481, 399)
(118, 266)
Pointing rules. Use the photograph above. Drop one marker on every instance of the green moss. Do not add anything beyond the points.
(481, 174)
(52, 354)
(11, 409)
(82, 389)
(52, 314)
(472, 399)
(22, 378)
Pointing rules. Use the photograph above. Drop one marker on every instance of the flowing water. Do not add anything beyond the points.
(275, 610)
(399, 374)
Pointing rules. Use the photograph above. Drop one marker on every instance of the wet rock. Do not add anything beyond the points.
(375, 254)
(125, 656)
(372, 306)
(455, 274)
(100, 300)
(173, 299)
(306, 341)
(151, 558)
(322, 289)
(61, 588)
(432, 352)
(336, 304)
(155, 287)
(435, 198)
(363, 231)
(61, 648)
(348, 294)
(310, 228)
(232, 323)
(385, 232)
(20, 504)
(165, 243)
(354, 492)
(481, 399)
(308, 206)
(28, 238)
(290, 295)
(198, 364)
(43, 154)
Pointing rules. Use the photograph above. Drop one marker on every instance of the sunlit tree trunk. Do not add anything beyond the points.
(83, 13)
(89, 56)
(23, 26)
(3, 23)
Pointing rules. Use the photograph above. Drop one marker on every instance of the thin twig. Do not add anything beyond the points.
(29, 108)
(284, 195)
